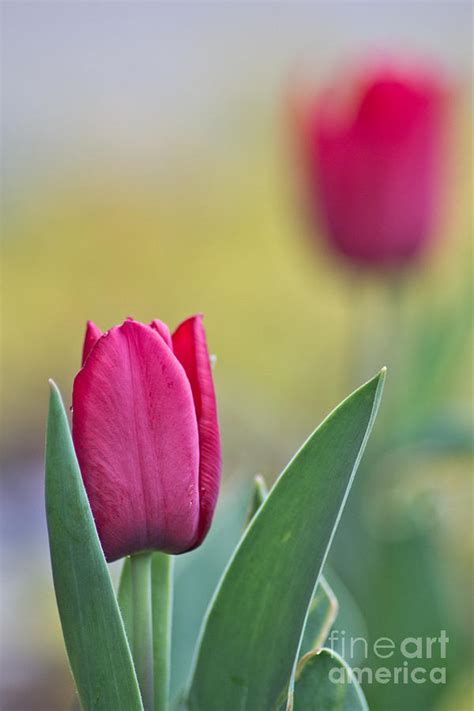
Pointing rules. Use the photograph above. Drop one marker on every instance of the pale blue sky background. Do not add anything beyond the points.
(87, 81)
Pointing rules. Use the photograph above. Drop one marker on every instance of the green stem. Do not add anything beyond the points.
(142, 643)
(124, 598)
(162, 608)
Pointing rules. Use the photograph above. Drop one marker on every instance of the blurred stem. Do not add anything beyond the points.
(394, 332)
(394, 348)
(376, 332)
(162, 609)
(360, 331)
(142, 643)
(376, 337)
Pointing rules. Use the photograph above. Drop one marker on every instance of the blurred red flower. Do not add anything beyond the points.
(373, 150)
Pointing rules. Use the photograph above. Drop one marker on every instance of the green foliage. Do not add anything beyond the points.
(324, 607)
(321, 616)
(247, 655)
(253, 627)
(92, 627)
(324, 682)
(197, 575)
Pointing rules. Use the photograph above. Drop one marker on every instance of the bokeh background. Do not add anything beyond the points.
(148, 171)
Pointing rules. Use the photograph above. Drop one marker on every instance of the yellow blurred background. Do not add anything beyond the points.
(148, 172)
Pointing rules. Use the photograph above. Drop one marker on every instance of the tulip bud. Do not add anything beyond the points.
(146, 436)
(374, 163)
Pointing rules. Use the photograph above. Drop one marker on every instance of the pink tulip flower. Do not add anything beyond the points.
(146, 435)
(373, 149)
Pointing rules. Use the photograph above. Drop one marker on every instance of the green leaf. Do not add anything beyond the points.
(321, 616)
(252, 630)
(92, 627)
(323, 608)
(325, 682)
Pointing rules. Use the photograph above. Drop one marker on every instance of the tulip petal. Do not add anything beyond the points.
(163, 330)
(136, 438)
(190, 347)
(93, 333)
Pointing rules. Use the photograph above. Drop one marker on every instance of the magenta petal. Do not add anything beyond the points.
(136, 439)
(190, 347)
(90, 339)
(163, 330)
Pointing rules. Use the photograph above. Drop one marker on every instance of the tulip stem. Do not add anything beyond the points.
(142, 642)
(162, 608)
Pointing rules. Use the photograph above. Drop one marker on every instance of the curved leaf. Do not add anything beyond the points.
(325, 682)
(253, 627)
(92, 627)
(321, 616)
(324, 606)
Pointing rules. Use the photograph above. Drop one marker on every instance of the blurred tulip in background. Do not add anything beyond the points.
(375, 162)
(373, 147)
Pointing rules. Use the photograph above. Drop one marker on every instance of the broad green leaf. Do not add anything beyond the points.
(252, 630)
(325, 682)
(323, 608)
(321, 615)
(92, 627)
